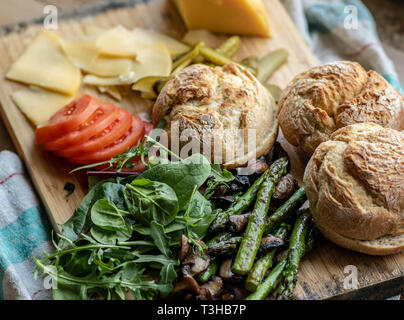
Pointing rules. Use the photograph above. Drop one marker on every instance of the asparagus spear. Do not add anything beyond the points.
(239, 206)
(210, 271)
(264, 263)
(269, 284)
(256, 224)
(224, 247)
(297, 248)
(284, 211)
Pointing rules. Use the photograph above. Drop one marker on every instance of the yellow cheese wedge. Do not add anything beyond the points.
(244, 17)
(38, 105)
(153, 60)
(44, 64)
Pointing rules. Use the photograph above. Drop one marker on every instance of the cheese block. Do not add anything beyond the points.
(153, 60)
(38, 105)
(244, 17)
(45, 64)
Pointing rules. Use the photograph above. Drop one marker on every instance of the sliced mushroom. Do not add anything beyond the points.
(276, 153)
(284, 189)
(184, 285)
(194, 263)
(212, 289)
(184, 247)
(221, 190)
(238, 222)
(225, 271)
(223, 202)
(269, 242)
(235, 291)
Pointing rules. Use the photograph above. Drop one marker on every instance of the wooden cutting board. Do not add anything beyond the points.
(322, 272)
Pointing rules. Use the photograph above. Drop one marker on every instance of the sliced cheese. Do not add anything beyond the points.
(44, 64)
(85, 54)
(38, 105)
(82, 52)
(174, 46)
(245, 17)
(112, 91)
(152, 60)
(117, 42)
(109, 67)
(123, 43)
(146, 87)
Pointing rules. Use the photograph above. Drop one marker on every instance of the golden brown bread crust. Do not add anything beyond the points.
(219, 104)
(328, 97)
(382, 246)
(355, 182)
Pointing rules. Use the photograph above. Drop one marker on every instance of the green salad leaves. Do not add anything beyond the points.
(127, 229)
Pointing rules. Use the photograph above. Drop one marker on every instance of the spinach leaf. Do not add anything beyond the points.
(181, 176)
(109, 237)
(105, 215)
(200, 215)
(151, 200)
(160, 238)
(80, 222)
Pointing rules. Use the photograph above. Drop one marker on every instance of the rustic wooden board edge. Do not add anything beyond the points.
(85, 11)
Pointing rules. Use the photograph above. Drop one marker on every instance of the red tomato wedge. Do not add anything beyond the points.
(129, 139)
(113, 132)
(67, 119)
(94, 125)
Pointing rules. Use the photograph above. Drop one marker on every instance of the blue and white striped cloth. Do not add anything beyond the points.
(24, 228)
(24, 232)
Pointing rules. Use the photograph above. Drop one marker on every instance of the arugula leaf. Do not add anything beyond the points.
(167, 276)
(160, 238)
(182, 176)
(218, 176)
(151, 200)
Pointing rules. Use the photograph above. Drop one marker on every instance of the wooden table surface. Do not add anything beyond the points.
(390, 20)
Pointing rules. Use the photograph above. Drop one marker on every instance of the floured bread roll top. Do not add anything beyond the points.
(325, 98)
(225, 109)
(355, 186)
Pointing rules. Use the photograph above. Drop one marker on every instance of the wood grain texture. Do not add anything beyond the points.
(321, 274)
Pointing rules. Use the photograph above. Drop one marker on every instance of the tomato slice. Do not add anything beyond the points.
(129, 139)
(148, 127)
(114, 131)
(94, 125)
(67, 119)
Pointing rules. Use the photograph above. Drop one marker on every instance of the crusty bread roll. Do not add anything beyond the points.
(355, 186)
(325, 98)
(219, 104)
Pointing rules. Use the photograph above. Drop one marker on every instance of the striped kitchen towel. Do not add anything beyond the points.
(24, 232)
(342, 30)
